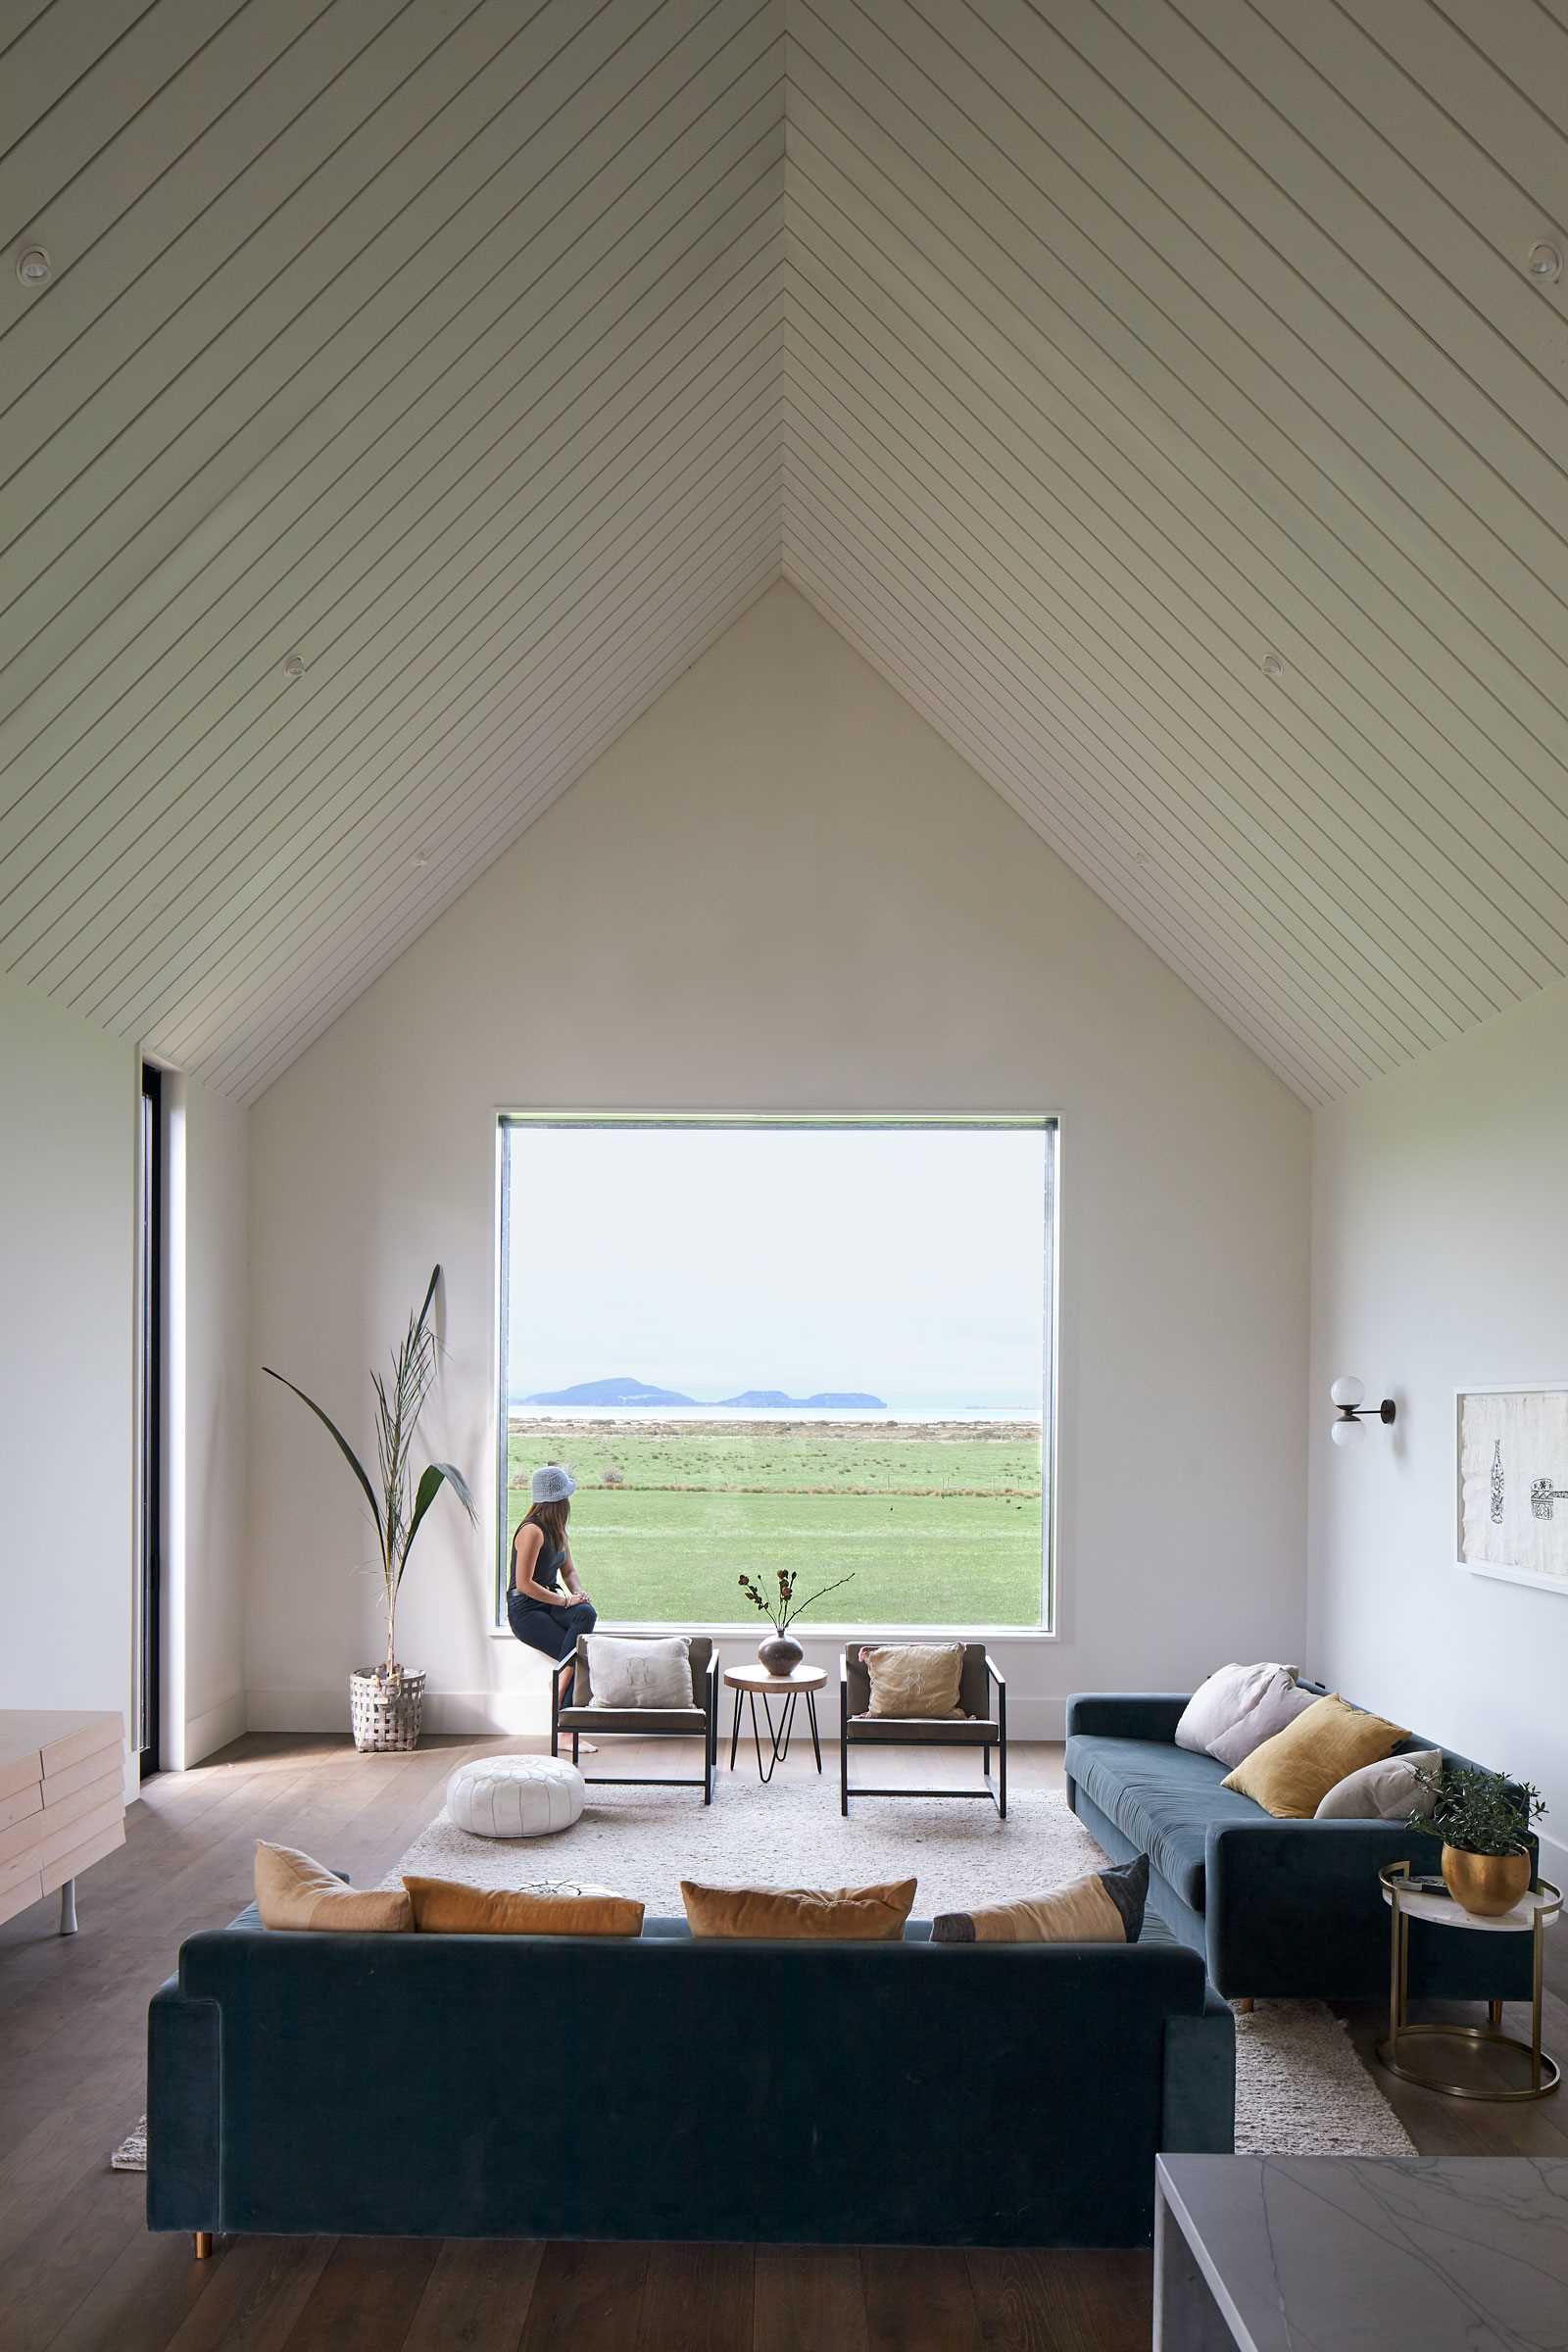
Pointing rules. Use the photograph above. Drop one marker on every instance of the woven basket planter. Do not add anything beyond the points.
(385, 1714)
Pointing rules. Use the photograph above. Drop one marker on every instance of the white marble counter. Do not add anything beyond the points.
(1350, 2253)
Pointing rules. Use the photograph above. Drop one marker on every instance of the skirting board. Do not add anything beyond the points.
(520, 1714)
(215, 1728)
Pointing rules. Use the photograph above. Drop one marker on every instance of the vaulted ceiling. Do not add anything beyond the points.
(1168, 399)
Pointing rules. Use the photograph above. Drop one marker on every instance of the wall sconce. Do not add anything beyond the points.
(1347, 1393)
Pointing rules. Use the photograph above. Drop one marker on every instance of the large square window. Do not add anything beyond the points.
(820, 1345)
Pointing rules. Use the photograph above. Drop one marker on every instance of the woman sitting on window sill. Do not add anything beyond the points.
(539, 1612)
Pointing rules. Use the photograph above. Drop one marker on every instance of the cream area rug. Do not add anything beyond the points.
(1300, 2088)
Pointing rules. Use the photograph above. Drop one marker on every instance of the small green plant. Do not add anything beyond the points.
(398, 1509)
(786, 1606)
(1479, 1812)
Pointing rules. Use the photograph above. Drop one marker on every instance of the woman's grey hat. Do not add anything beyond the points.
(552, 1484)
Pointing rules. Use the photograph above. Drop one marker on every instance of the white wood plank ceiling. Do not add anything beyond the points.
(1168, 399)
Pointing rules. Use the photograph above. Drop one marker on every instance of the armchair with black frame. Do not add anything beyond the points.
(983, 1724)
(582, 1718)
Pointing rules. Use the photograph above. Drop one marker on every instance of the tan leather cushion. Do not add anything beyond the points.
(1291, 1774)
(293, 1891)
(915, 1677)
(446, 1907)
(825, 1914)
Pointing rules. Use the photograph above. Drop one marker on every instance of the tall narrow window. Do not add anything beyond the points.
(815, 1344)
(148, 1631)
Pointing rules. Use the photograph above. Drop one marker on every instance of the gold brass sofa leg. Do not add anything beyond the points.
(1244, 2006)
(1493, 2012)
(204, 2245)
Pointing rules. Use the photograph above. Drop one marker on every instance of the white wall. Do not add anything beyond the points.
(68, 1161)
(782, 891)
(210, 1371)
(68, 1259)
(1441, 1261)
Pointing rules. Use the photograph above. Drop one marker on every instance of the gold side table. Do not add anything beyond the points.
(1491, 2063)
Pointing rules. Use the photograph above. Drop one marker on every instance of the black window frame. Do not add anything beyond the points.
(153, 1201)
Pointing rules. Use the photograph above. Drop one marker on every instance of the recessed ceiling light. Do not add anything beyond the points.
(294, 667)
(1544, 261)
(419, 860)
(1273, 665)
(33, 265)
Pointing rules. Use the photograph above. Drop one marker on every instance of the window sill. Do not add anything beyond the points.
(734, 1632)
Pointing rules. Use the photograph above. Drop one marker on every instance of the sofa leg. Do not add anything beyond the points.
(1493, 2012)
(1244, 2006)
(204, 2245)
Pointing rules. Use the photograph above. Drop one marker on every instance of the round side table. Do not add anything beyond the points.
(1485, 2058)
(755, 1681)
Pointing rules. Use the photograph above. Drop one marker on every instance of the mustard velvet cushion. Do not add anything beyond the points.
(822, 1914)
(294, 1892)
(914, 1679)
(447, 1907)
(1104, 1906)
(1291, 1774)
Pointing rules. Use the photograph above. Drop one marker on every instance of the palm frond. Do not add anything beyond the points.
(343, 1446)
(401, 1396)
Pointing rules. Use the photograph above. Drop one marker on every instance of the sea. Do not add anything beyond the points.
(924, 1413)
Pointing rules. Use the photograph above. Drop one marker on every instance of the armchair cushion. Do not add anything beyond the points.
(946, 1731)
(593, 1720)
(639, 1673)
(974, 1694)
(914, 1678)
(700, 1650)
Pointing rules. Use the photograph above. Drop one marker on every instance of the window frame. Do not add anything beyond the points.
(1048, 1123)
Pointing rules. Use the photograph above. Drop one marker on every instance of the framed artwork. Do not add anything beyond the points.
(1512, 1448)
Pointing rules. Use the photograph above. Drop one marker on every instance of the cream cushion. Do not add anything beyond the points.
(1387, 1790)
(1220, 1701)
(628, 1676)
(915, 1679)
(514, 1797)
(1278, 1704)
(292, 1891)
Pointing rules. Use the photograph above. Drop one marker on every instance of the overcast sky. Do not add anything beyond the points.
(909, 1262)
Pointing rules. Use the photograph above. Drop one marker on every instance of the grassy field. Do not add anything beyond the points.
(939, 1524)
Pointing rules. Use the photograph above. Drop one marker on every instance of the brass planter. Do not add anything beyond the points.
(1489, 1885)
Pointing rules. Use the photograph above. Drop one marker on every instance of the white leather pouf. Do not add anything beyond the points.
(514, 1797)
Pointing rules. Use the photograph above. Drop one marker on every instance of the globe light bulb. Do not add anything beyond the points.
(1348, 1390)
(1347, 1433)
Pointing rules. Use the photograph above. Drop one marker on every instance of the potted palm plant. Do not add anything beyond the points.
(387, 1701)
(1484, 1821)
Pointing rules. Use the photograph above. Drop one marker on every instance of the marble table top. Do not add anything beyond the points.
(1543, 1900)
(1403, 2254)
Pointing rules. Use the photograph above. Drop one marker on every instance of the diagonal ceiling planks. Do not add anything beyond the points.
(1159, 395)
(437, 345)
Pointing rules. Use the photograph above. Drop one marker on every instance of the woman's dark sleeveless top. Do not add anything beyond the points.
(546, 1568)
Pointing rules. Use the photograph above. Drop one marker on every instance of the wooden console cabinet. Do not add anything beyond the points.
(62, 1804)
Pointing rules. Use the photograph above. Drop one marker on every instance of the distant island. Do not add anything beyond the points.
(638, 1392)
(841, 1400)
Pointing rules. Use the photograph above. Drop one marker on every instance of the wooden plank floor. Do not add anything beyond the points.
(80, 2273)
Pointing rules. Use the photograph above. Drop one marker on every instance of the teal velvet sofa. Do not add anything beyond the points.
(1278, 1909)
(661, 2087)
